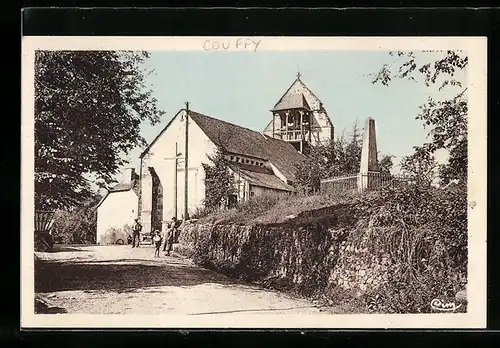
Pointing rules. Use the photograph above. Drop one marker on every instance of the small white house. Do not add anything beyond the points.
(117, 210)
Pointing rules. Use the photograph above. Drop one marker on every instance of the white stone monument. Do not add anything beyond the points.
(369, 162)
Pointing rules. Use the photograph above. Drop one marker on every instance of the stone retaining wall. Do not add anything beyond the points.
(311, 257)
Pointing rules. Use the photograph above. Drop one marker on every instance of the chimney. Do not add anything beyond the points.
(130, 175)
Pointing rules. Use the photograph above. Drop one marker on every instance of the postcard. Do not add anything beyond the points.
(254, 182)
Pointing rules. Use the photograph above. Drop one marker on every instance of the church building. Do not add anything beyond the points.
(259, 161)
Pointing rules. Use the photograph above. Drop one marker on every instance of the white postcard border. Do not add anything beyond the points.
(476, 47)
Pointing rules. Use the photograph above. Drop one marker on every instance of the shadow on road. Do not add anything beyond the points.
(60, 248)
(42, 308)
(112, 275)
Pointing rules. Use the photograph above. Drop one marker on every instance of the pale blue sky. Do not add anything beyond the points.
(241, 87)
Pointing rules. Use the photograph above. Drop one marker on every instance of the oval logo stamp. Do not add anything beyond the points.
(444, 305)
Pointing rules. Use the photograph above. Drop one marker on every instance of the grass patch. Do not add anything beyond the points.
(277, 208)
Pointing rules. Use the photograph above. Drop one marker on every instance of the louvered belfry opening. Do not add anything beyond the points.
(299, 117)
(295, 126)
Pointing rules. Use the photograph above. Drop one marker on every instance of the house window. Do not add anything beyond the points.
(252, 194)
(251, 162)
(232, 157)
(248, 161)
(237, 159)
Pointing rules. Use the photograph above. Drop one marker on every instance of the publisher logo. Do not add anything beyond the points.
(444, 306)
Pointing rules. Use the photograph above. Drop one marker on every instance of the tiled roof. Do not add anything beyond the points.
(292, 101)
(121, 187)
(126, 185)
(247, 142)
(257, 177)
(294, 94)
(253, 168)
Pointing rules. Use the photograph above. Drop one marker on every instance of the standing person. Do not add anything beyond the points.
(169, 239)
(176, 224)
(136, 232)
(168, 227)
(157, 242)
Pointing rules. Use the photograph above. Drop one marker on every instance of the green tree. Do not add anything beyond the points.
(457, 164)
(89, 106)
(431, 238)
(341, 156)
(77, 225)
(352, 152)
(421, 167)
(385, 164)
(446, 119)
(219, 182)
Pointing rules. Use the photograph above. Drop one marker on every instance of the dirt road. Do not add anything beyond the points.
(123, 280)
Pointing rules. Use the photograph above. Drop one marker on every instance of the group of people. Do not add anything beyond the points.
(167, 239)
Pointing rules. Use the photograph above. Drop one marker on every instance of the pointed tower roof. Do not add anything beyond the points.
(292, 101)
(298, 95)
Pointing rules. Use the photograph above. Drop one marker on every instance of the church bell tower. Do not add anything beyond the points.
(299, 118)
(292, 115)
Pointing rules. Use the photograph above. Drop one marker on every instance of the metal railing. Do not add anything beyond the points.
(362, 181)
(340, 184)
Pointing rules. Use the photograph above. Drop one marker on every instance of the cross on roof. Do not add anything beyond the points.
(298, 75)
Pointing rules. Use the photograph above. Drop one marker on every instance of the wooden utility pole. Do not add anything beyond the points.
(186, 214)
(139, 201)
(175, 180)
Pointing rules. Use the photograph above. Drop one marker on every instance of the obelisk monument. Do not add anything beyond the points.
(369, 161)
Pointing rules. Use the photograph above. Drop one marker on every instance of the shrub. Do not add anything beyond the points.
(424, 229)
(116, 235)
(78, 226)
(219, 181)
(272, 208)
(245, 211)
(201, 212)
